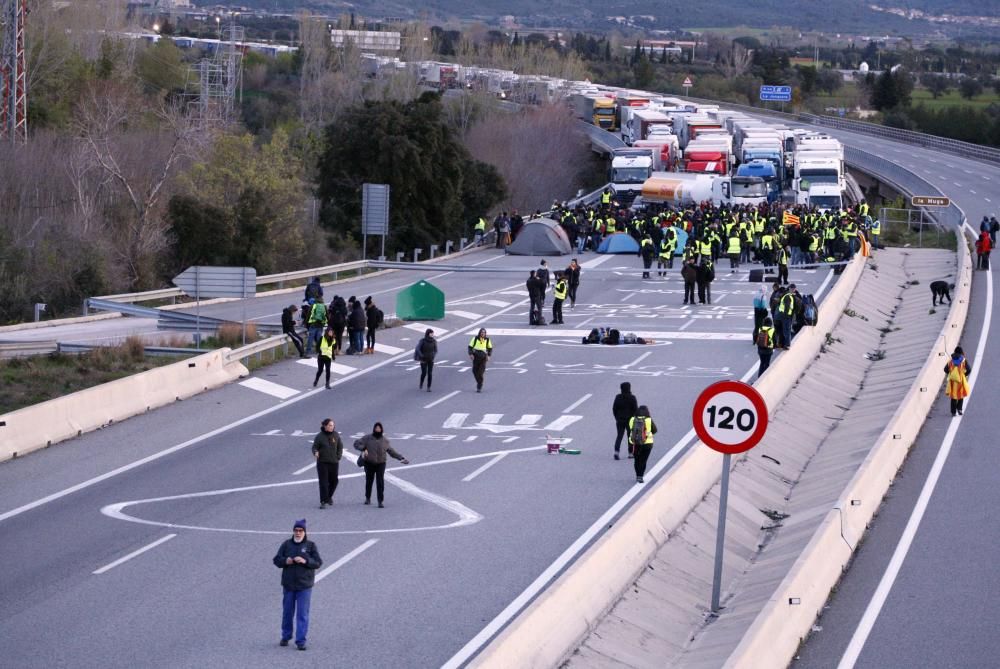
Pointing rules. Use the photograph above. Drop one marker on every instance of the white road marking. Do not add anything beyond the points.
(482, 469)
(269, 388)
(627, 297)
(133, 554)
(686, 325)
(972, 191)
(597, 261)
(311, 465)
(202, 437)
(335, 367)
(987, 199)
(442, 399)
(519, 359)
(519, 293)
(576, 334)
(567, 556)
(385, 348)
(491, 419)
(578, 403)
(494, 303)
(561, 423)
(528, 419)
(323, 573)
(881, 593)
(638, 360)
(420, 327)
(455, 420)
(464, 314)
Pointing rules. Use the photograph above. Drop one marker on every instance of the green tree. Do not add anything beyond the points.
(829, 80)
(807, 79)
(892, 89)
(202, 233)
(409, 147)
(643, 72)
(969, 87)
(936, 84)
(161, 67)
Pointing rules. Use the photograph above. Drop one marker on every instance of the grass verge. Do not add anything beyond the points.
(28, 381)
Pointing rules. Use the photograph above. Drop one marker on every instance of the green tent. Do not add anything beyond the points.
(420, 302)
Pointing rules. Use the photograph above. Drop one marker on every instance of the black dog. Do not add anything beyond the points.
(939, 291)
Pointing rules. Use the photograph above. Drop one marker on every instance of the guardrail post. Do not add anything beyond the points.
(416, 254)
(335, 273)
(86, 306)
(399, 256)
(447, 247)
(462, 242)
(434, 248)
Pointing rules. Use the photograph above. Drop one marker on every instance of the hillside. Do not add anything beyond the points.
(854, 16)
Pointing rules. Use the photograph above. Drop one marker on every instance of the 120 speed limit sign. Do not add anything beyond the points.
(730, 417)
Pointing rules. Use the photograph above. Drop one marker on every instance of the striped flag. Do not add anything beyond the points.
(866, 248)
(788, 218)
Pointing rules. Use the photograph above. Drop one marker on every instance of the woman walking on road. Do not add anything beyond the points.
(327, 343)
(957, 382)
(480, 350)
(374, 447)
(426, 351)
(641, 429)
(327, 448)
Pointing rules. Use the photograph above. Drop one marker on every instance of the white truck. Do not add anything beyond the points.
(640, 123)
(630, 168)
(679, 188)
(666, 151)
(819, 178)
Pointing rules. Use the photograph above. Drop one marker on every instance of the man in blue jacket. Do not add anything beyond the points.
(298, 558)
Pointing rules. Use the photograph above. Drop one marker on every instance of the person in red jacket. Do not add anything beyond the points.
(983, 247)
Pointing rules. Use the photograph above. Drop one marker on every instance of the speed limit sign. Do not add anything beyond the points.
(730, 417)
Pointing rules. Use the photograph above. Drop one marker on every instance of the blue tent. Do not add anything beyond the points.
(682, 240)
(620, 242)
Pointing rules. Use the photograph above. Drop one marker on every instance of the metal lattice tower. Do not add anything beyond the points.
(13, 75)
(218, 81)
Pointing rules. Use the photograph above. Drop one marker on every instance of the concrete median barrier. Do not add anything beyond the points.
(57, 322)
(41, 425)
(778, 630)
(553, 625)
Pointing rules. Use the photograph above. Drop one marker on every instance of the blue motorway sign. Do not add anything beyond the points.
(777, 93)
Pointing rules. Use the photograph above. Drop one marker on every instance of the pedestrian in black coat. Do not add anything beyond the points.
(298, 558)
(426, 351)
(624, 408)
(328, 449)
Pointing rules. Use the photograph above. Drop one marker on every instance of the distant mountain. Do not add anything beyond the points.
(852, 16)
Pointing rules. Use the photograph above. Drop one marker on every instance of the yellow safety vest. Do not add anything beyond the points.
(767, 242)
(782, 257)
(705, 248)
(605, 198)
(484, 345)
(561, 289)
(481, 225)
(734, 245)
(326, 347)
(609, 225)
(787, 304)
(770, 336)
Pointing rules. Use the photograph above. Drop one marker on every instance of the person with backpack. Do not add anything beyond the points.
(314, 290)
(337, 319)
(765, 345)
(623, 408)
(317, 323)
(326, 356)
(298, 559)
(288, 327)
(759, 310)
(374, 448)
(425, 353)
(373, 319)
(957, 380)
(641, 429)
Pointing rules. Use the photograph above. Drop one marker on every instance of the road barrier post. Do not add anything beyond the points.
(416, 254)
(434, 248)
(447, 247)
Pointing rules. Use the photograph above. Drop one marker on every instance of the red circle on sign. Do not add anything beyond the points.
(705, 432)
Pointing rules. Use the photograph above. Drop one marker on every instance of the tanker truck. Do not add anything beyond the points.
(684, 188)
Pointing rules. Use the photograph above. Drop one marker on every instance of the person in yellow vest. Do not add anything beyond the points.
(480, 231)
(480, 350)
(783, 264)
(326, 356)
(876, 230)
(609, 225)
(767, 250)
(646, 252)
(666, 252)
(733, 249)
(606, 198)
(641, 429)
(957, 381)
(560, 292)
(765, 345)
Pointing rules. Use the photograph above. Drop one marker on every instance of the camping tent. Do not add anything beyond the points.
(421, 301)
(540, 237)
(619, 242)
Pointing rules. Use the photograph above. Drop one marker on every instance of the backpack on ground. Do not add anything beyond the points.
(763, 339)
(638, 435)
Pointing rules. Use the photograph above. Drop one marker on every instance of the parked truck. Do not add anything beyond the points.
(666, 151)
(765, 170)
(630, 168)
(595, 108)
(682, 189)
(641, 122)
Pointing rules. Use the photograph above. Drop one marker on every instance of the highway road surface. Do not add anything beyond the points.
(923, 588)
(149, 543)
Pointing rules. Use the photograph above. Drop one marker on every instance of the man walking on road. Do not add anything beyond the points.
(298, 558)
(427, 349)
(559, 296)
(327, 344)
(765, 345)
(288, 327)
(480, 350)
(623, 408)
(572, 274)
(641, 429)
(327, 448)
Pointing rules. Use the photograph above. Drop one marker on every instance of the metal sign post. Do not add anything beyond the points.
(374, 214)
(687, 86)
(207, 282)
(781, 94)
(729, 417)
